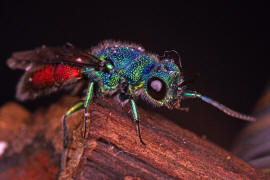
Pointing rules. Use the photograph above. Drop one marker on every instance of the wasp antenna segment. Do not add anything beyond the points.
(221, 107)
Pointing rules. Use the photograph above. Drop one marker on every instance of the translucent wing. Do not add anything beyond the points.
(49, 69)
(47, 55)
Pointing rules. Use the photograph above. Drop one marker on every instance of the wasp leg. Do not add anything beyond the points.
(86, 103)
(81, 104)
(135, 117)
(71, 110)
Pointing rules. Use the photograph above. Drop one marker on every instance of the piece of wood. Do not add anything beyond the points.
(112, 149)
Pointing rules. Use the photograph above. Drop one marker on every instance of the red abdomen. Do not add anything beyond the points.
(53, 74)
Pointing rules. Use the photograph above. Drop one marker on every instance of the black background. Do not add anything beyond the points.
(227, 43)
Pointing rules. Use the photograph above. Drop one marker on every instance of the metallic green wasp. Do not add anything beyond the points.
(122, 70)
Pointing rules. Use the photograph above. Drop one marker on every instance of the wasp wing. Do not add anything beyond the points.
(47, 55)
(49, 69)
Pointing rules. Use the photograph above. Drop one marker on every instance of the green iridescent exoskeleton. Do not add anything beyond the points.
(129, 72)
(133, 72)
(122, 70)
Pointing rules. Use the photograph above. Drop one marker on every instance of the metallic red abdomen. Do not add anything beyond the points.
(53, 74)
(65, 72)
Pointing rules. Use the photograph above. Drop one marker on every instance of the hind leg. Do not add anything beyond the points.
(81, 104)
(74, 108)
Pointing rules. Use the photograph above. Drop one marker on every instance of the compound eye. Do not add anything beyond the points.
(156, 88)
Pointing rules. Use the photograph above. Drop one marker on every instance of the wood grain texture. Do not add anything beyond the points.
(112, 149)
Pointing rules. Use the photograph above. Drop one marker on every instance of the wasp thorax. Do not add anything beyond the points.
(156, 88)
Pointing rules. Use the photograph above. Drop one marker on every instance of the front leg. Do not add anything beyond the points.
(136, 118)
(125, 96)
(86, 103)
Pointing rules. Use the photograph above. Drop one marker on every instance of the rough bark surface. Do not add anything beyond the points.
(112, 149)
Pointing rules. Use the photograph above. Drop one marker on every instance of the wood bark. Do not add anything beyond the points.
(112, 149)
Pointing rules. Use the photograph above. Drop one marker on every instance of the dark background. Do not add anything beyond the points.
(227, 43)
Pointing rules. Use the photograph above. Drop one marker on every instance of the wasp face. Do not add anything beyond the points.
(161, 86)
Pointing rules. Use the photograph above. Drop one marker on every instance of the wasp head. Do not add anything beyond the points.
(161, 87)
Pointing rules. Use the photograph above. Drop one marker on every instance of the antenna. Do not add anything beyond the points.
(226, 110)
(167, 55)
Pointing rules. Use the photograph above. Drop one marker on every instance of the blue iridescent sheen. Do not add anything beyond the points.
(159, 81)
(120, 56)
(132, 64)
(131, 72)
(136, 67)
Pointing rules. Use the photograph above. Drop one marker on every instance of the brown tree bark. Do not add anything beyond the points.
(112, 149)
